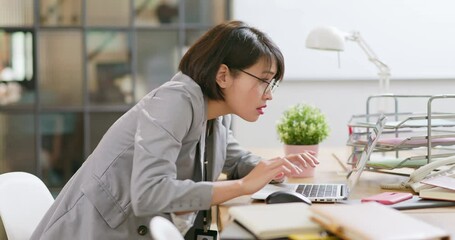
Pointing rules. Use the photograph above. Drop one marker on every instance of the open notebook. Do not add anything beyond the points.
(330, 192)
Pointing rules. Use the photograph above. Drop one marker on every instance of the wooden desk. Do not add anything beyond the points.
(330, 170)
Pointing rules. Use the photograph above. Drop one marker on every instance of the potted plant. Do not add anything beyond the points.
(302, 127)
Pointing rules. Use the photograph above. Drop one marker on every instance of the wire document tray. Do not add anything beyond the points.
(410, 139)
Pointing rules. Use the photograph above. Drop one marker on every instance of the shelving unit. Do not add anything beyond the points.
(410, 139)
(86, 67)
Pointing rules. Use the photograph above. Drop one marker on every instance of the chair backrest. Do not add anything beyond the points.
(163, 229)
(24, 199)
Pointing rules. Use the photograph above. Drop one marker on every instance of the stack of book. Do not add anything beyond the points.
(444, 188)
(275, 220)
(369, 221)
(373, 221)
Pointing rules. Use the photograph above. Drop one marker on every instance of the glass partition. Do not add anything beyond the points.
(17, 142)
(191, 37)
(157, 59)
(205, 12)
(16, 13)
(109, 68)
(61, 146)
(16, 55)
(99, 124)
(107, 13)
(156, 13)
(73, 67)
(61, 72)
(17, 70)
(60, 13)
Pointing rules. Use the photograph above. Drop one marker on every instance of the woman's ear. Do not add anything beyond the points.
(223, 78)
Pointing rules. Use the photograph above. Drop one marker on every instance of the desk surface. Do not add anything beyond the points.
(332, 170)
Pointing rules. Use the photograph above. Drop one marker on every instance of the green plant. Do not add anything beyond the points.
(302, 124)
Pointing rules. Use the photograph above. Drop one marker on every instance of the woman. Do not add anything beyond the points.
(150, 162)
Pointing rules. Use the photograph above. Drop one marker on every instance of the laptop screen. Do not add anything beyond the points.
(372, 139)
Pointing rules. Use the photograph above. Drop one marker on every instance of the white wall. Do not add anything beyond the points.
(339, 100)
(393, 28)
(414, 37)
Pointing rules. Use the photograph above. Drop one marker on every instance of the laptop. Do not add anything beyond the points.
(330, 192)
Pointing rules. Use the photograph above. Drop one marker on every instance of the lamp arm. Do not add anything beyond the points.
(356, 37)
(384, 70)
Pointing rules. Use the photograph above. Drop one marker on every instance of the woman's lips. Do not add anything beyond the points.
(261, 109)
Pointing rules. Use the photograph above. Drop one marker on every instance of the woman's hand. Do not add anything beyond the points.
(277, 169)
(263, 173)
(305, 159)
(302, 160)
(267, 170)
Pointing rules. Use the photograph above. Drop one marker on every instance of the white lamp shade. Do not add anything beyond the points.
(326, 38)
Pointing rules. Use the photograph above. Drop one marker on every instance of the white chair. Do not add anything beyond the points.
(24, 199)
(163, 229)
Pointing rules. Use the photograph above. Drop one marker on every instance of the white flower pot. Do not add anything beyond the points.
(293, 149)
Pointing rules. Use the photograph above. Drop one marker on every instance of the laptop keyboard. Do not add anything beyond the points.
(318, 190)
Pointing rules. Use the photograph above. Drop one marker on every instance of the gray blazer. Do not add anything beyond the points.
(147, 164)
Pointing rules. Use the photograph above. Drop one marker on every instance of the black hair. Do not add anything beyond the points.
(233, 43)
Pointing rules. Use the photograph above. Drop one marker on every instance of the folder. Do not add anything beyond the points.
(275, 220)
(373, 221)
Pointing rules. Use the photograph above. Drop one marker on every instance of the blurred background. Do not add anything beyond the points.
(70, 68)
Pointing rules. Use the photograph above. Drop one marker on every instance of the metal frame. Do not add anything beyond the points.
(445, 129)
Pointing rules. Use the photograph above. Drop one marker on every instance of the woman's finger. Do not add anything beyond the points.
(279, 176)
(308, 159)
(312, 156)
(291, 165)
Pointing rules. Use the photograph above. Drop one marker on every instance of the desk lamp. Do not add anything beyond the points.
(332, 39)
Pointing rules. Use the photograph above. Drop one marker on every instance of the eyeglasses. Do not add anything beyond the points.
(272, 85)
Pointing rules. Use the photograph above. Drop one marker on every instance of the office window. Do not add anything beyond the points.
(115, 13)
(17, 13)
(61, 146)
(17, 142)
(17, 70)
(60, 13)
(109, 68)
(99, 124)
(60, 68)
(205, 11)
(156, 13)
(70, 69)
(158, 59)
